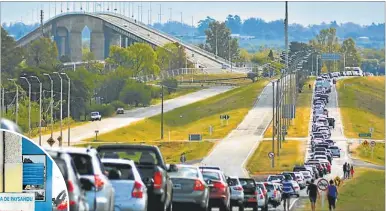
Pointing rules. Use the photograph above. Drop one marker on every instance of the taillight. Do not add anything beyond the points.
(62, 206)
(198, 186)
(137, 190)
(157, 180)
(261, 196)
(70, 186)
(218, 185)
(239, 188)
(72, 203)
(98, 182)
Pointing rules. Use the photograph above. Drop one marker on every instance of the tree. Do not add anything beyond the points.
(11, 55)
(370, 65)
(171, 84)
(64, 59)
(234, 23)
(218, 40)
(42, 52)
(142, 59)
(136, 93)
(352, 56)
(270, 55)
(118, 56)
(204, 24)
(171, 56)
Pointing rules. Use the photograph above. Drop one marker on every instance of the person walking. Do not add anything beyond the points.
(332, 195)
(344, 171)
(312, 191)
(348, 168)
(288, 190)
(352, 171)
(183, 158)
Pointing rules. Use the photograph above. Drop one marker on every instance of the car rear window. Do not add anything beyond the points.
(83, 164)
(269, 187)
(233, 182)
(247, 182)
(62, 167)
(119, 171)
(139, 156)
(185, 172)
(210, 175)
(275, 178)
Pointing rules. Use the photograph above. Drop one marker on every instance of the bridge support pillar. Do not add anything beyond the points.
(124, 42)
(97, 45)
(115, 39)
(76, 46)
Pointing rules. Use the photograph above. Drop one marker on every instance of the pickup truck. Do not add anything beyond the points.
(95, 115)
(154, 172)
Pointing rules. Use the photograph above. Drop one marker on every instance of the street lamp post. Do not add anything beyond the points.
(51, 104)
(216, 39)
(273, 121)
(96, 135)
(162, 112)
(29, 104)
(40, 109)
(61, 108)
(68, 106)
(17, 99)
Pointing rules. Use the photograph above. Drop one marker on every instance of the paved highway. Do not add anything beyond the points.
(108, 124)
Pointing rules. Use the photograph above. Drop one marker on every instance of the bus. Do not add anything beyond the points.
(357, 70)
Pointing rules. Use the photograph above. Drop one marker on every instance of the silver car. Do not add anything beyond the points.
(307, 176)
(189, 187)
(237, 192)
(89, 166)
(130, 191)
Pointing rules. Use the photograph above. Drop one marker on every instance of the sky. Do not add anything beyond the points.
(304, 13)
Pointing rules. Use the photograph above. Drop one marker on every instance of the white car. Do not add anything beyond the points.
(261, 201)
(335, 151)
(307, 176)
(95, 115)
(300, 179)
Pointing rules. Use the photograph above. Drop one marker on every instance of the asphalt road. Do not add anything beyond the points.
(108, 124)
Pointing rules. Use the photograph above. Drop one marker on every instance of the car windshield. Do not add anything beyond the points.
(138, 155)
(269, 187)
(233, 182)
(94, 113)
(274, 177)
(211, 175)
(185, 172)
(247, 182)
(118, 171)
(83, 163)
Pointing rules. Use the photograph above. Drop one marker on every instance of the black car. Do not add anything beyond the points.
(154, 172)
(250, 195)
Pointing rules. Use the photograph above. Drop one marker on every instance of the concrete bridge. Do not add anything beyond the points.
(109, 29)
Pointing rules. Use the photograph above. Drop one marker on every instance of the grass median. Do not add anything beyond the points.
(171, 151)
(366, 191)
(362, 105)
(364, 153)
(299, 126)
(292, 153)
(194, 118)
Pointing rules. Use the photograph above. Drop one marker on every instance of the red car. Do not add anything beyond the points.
(219, 190)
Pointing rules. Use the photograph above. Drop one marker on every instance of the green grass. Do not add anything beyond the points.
(292, 153)
(365, 192)
(188, 78)
(299, 126)
(364, 153)
(362, 105)
(180, 92)
(194, 118)
(171, 151)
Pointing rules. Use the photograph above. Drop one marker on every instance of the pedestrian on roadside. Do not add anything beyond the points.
(332, 195)
(344, 171)
(352, 171)
(183, 158)
(288, 190)
(348, 168)
(312, 191)
(309, 86)
(333, 123)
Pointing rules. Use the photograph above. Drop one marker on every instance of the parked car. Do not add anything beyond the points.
(307, 176)
(76, 186)
(219, 189)
(275, 178)
(250, 193)
(130, 191)
(264, 189)
(95, 116)
(300, 179)
(120, 111)
(190, 188)
(237, 192)
(150, 165)
(335, 151)
(262, 202)
(89, 166)
(273, 194)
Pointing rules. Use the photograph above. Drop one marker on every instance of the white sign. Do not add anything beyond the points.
(271, 155)
(372, 144)
(371, 130)
(17, 201)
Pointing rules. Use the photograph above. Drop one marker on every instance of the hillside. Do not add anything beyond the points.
(362, 105)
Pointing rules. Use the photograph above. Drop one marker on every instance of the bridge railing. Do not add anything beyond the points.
(168, 36)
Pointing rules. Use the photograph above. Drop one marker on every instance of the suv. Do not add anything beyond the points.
(76, 187)
(273, 194)
(89, 166)
(120, 111)
(219, 190)
(237, 192)
(95, 116)
(250, 193)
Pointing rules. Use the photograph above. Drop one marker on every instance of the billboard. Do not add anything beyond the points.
(17, 201)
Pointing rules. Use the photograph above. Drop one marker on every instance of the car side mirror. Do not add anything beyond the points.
(172, 168)
(86, 184)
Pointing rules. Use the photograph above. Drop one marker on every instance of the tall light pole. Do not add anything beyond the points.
(40, 109)
(51, 104)
(273, 122)
(170, 17)
(61, 108)
(68, 106)
(17, 99)
(29, 104)
(162, 112)
(216, 39)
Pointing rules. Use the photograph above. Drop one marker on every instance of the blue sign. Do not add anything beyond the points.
(331, 56)
(33, 173)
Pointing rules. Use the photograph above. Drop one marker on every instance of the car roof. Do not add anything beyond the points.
(79, 150)
(117, 161)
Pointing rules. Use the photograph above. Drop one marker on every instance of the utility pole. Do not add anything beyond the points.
(52, 104)
(41, 21)
(68, 107)
(29, 105)
(278, 98)
(17, 99)
(160, 13)
(273, 122)
(181, 19)
(162, 112)
(150, 15)
(61, 108)
(286, 56)
(170, 17)
(40, 109)
(216, 39)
